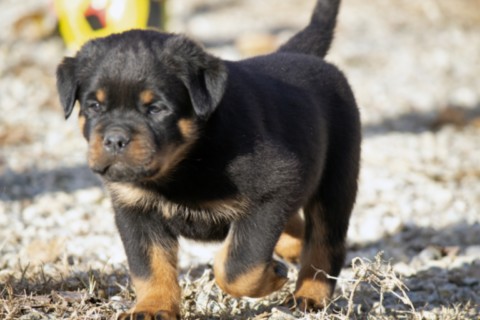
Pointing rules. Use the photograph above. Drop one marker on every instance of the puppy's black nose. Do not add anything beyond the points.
(115, 141)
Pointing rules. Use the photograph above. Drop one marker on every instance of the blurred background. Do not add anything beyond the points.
(414, 67)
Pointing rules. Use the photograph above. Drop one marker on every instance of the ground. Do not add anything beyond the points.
(414, 245)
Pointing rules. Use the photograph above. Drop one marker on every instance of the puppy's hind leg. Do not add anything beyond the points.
(326, 222)
(323, 253)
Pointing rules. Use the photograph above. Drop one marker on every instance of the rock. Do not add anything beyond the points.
(89, 196)
(403, 269)
(473, 251)
(447, 290)
(281, 313)
(430, 253)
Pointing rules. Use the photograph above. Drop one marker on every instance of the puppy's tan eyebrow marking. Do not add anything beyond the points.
(100, 95)
(187, 128)
(146, 96)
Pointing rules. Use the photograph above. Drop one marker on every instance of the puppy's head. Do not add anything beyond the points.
(143, 97)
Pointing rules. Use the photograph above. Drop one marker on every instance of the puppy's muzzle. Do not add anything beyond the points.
(116, 140)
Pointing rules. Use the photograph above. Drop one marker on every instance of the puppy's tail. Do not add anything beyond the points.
(316, 38)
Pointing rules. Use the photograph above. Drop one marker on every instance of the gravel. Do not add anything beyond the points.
(414, 69)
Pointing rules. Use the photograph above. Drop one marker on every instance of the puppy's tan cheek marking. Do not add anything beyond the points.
(101, 95)
(140, 151)
(95, 148)
(173, 154)
(146, 96)
(161, 291)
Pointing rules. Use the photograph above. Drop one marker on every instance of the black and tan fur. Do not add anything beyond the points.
(190, 145)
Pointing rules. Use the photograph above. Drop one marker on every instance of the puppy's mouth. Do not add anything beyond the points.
(151, 166)
(132, 160)
(119, 172)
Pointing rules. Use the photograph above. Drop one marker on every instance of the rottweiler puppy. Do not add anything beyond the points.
(190, 145)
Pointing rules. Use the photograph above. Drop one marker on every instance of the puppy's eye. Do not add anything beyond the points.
(94, 107)
(157, 108)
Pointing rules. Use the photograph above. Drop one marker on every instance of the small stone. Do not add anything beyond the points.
(370, 229)
(281, 313)
(451, 251)
(464, 97)
(469, 281)
(392, 224)
(431, 253)
(449, 116)
(403, 269)
(90, 196)
(429, 315)
(465, 294)
(447, 290)
(473, 251)
(419, 297)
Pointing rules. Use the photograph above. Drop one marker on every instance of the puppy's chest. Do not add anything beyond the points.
(208, 211)
(214, 211)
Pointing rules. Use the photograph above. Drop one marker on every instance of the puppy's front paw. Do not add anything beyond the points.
(159, 315)
(312, 294)
(258, 281)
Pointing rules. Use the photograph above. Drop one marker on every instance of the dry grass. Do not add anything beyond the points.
(52, 292)
(371, 290)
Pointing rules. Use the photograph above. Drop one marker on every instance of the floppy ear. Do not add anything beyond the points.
(67, 85)
(204, 75)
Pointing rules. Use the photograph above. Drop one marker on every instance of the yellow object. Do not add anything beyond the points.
(82, 20)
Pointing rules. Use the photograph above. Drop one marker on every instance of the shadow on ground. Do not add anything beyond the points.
(419, 122)
(27, 185)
